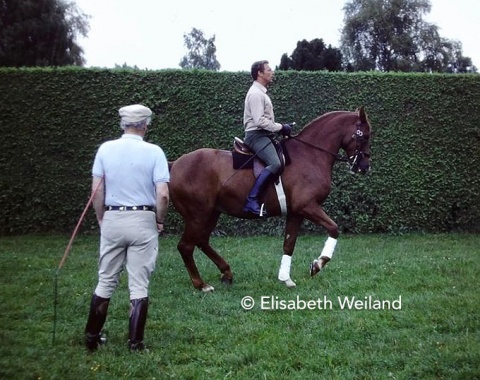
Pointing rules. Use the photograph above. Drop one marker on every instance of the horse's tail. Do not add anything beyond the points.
(170, 164)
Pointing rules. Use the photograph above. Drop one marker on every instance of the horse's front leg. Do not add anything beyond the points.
(316, 214)
(291, 232)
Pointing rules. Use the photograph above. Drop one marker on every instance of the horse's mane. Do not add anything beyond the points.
(322, 120)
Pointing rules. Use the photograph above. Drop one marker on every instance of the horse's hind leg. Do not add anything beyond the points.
(206, 248)
(222, 265)
(198, 234)
(186, 250)
(186, 247)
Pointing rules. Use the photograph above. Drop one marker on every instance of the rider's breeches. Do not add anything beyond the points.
(129, 239)
(262, 145)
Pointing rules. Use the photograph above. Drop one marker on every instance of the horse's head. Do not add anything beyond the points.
(357, 144)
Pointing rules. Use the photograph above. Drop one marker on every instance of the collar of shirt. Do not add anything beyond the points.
(260, 87)
(131, 136)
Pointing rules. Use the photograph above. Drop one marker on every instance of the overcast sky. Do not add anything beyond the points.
(149, 33)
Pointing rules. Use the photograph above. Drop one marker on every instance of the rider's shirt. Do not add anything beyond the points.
(258, 112)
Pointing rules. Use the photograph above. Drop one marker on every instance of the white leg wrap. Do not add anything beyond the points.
(284, 272)
(328, 248)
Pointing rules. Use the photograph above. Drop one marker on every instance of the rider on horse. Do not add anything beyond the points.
(260, 126)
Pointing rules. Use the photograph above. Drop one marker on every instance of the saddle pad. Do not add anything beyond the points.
(242, 161)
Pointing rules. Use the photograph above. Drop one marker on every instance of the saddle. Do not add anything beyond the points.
(244, 158)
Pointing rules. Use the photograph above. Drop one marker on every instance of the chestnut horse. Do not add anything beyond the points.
(203, 184)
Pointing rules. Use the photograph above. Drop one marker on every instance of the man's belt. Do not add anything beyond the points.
(129, 208)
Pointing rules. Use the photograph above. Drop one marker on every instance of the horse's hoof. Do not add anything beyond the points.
(289, 283)
(314, 268)
(207, 288)
(227, 280)
(317, 265)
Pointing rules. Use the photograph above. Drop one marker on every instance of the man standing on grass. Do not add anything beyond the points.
(130, 177)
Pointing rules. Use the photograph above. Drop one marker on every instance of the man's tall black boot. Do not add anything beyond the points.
(96, 320)
(253, 200)
(138, 319)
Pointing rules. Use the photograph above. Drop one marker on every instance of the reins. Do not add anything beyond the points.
(337, 156)
(357, 136)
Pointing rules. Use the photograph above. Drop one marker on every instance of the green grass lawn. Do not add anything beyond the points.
(435, 334)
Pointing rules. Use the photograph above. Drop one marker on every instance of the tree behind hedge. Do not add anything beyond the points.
(393, 36)
(41, 33)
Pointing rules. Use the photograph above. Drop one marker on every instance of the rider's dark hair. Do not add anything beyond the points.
(258, 67)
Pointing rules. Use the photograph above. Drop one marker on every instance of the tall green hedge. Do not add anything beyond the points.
(426, 141)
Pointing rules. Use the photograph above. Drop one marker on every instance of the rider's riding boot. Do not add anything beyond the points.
(138, 318)
(253, 200)
(95, 322)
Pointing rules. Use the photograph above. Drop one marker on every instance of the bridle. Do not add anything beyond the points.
(360, 139)
(353, 161)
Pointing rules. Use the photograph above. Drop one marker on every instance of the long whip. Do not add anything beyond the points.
(65, 255)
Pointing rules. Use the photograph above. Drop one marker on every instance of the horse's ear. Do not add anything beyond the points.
(362, 115)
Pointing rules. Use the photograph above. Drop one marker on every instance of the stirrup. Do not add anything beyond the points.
(263, 212)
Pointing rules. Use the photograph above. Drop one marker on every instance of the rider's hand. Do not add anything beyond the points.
(286, 130)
